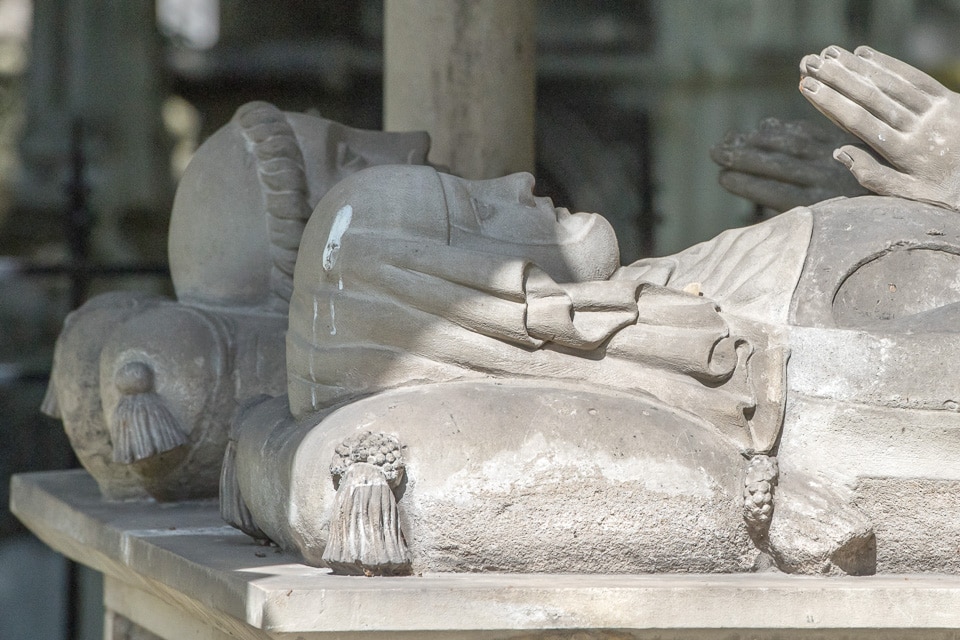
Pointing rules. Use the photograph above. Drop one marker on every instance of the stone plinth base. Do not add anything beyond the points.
(178, 571)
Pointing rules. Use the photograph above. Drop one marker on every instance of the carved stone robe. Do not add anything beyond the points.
(394, 311)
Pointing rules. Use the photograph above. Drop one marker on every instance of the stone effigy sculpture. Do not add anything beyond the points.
(473, 369)
(475, 384)
(460, 376)
(147, 386)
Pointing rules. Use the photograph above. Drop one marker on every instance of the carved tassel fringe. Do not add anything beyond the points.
(49, 406)
(144, 427)
(232, 507)
(365, 536)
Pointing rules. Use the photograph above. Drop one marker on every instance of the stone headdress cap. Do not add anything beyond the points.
(398, 202)
(239, 213)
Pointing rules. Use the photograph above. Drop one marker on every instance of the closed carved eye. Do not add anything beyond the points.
(482, 210)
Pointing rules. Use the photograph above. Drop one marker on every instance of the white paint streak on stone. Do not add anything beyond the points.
(316, 315)
(333, 318)
(340, 224)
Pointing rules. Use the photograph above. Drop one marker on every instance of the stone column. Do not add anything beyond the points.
(463, 70)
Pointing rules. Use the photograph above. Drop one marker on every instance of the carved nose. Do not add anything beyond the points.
(523, 183)
(525, 180)
(133, 378)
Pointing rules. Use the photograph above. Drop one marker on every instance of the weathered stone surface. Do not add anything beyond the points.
(815, 530)
(518, 476)
(243, 200)
(915, 516)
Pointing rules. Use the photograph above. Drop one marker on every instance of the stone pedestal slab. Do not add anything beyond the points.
(178, 571)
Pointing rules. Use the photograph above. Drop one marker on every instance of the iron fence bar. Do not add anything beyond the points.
(79, 219)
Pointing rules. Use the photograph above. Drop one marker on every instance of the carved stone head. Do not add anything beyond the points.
(244, 199)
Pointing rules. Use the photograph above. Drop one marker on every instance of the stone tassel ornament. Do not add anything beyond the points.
(365, 536)
(142, 424)
(759, 483)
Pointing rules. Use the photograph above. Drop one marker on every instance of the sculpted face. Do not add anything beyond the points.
(503, 216)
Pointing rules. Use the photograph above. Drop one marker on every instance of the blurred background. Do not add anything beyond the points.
(102, 103)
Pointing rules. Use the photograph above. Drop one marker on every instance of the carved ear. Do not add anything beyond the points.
(142, 424)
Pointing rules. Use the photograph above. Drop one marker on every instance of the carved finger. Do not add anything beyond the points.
(776, 166)
(808, 62)
(921, 87)
(777, 195)
(853, 117)
(724, 152)
(865, 84)
(807, 129)
(874, 175)
(799, 139)
(899, 81)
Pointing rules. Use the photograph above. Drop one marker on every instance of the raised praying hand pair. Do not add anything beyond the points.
(906, 127)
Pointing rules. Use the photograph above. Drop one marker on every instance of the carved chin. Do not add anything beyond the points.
(594, 255)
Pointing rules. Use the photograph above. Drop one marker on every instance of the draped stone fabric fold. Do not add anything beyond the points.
(751, 272)
(434, 313)
(579, 315)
